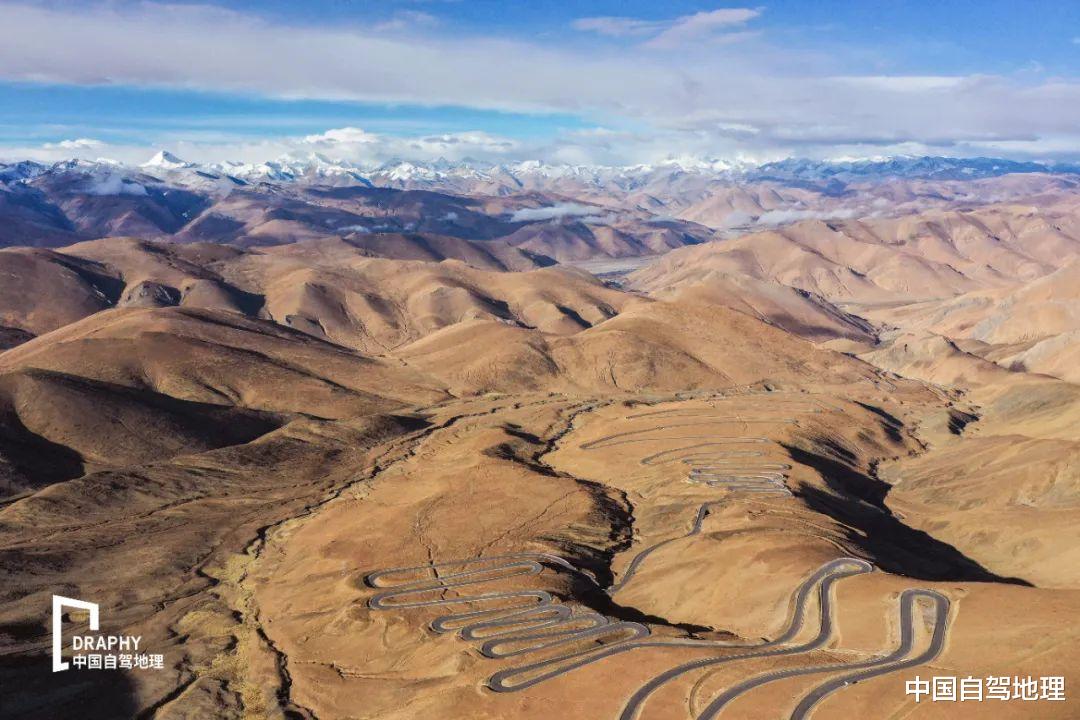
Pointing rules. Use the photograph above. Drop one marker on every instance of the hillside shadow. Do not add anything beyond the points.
(858, 501)
(32, 691)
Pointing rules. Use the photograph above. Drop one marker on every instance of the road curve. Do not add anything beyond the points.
(937, 644)
(520, 622)
(628, 573)
(810, 406)
(620, 438)
(823, 580)
(515, 623)
(704, 412)
(866, 669)
(725, 469)
(546, 669)
(672, 455)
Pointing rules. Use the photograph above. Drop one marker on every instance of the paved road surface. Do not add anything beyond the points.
(527, 621)
(937, 644)
(822, 580)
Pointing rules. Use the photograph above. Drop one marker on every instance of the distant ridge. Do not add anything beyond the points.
(316, 168)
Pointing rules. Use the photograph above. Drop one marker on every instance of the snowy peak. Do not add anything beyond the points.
(673, 176)
(313, 168)
(24, 170)
(907, 167)
(165, 160)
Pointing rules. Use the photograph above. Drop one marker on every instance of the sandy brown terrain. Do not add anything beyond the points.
(599, 497)
(453, 482)
(873, 261)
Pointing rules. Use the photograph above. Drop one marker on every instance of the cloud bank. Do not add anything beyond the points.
(707, 25)
(553, 212)
(712, 98)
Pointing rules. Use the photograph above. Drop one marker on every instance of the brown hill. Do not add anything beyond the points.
(1004, 485)
(43, 290)
(572, 240)
(49, 289)
(931, 256)
(934, 359)
(1033, 326)
(813, 257)
(219, 357)
(797, 311)
(55, 426)
(661, 346)
(223, 483)
(487, 255)
(735, 205)
(375, 305)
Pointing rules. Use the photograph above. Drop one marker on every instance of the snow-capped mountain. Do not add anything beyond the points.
(556, 210)
(905, 167)
(473, 177)
(25, 170)
(165, 160)
(684, 174)
(314, 168)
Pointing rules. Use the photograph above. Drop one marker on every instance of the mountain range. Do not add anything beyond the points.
(543, 213)
(441, 173)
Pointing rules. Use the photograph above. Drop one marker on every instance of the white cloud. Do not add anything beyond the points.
(907, 83)
(733, 100)
(618, 26)
(76, 144)
(702, 26)
(109, 183)
(346, 135)
(706, 25)
(553, 212)
(781, 217)
(605, 219)
(407, 20)
(461, 145)
(358, 145)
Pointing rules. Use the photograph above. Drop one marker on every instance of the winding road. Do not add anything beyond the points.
(628, 573)
(823, 580)
(520, 623)
(620, 438)
(540, 624)
(890, 663)
(865, 671)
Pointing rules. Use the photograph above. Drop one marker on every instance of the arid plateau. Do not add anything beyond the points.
(509, 445)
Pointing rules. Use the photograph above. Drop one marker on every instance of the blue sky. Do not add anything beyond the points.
(924, 37)
(607, 82)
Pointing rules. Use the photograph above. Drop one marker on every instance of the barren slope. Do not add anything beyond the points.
(919, 257)
(221, 358)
